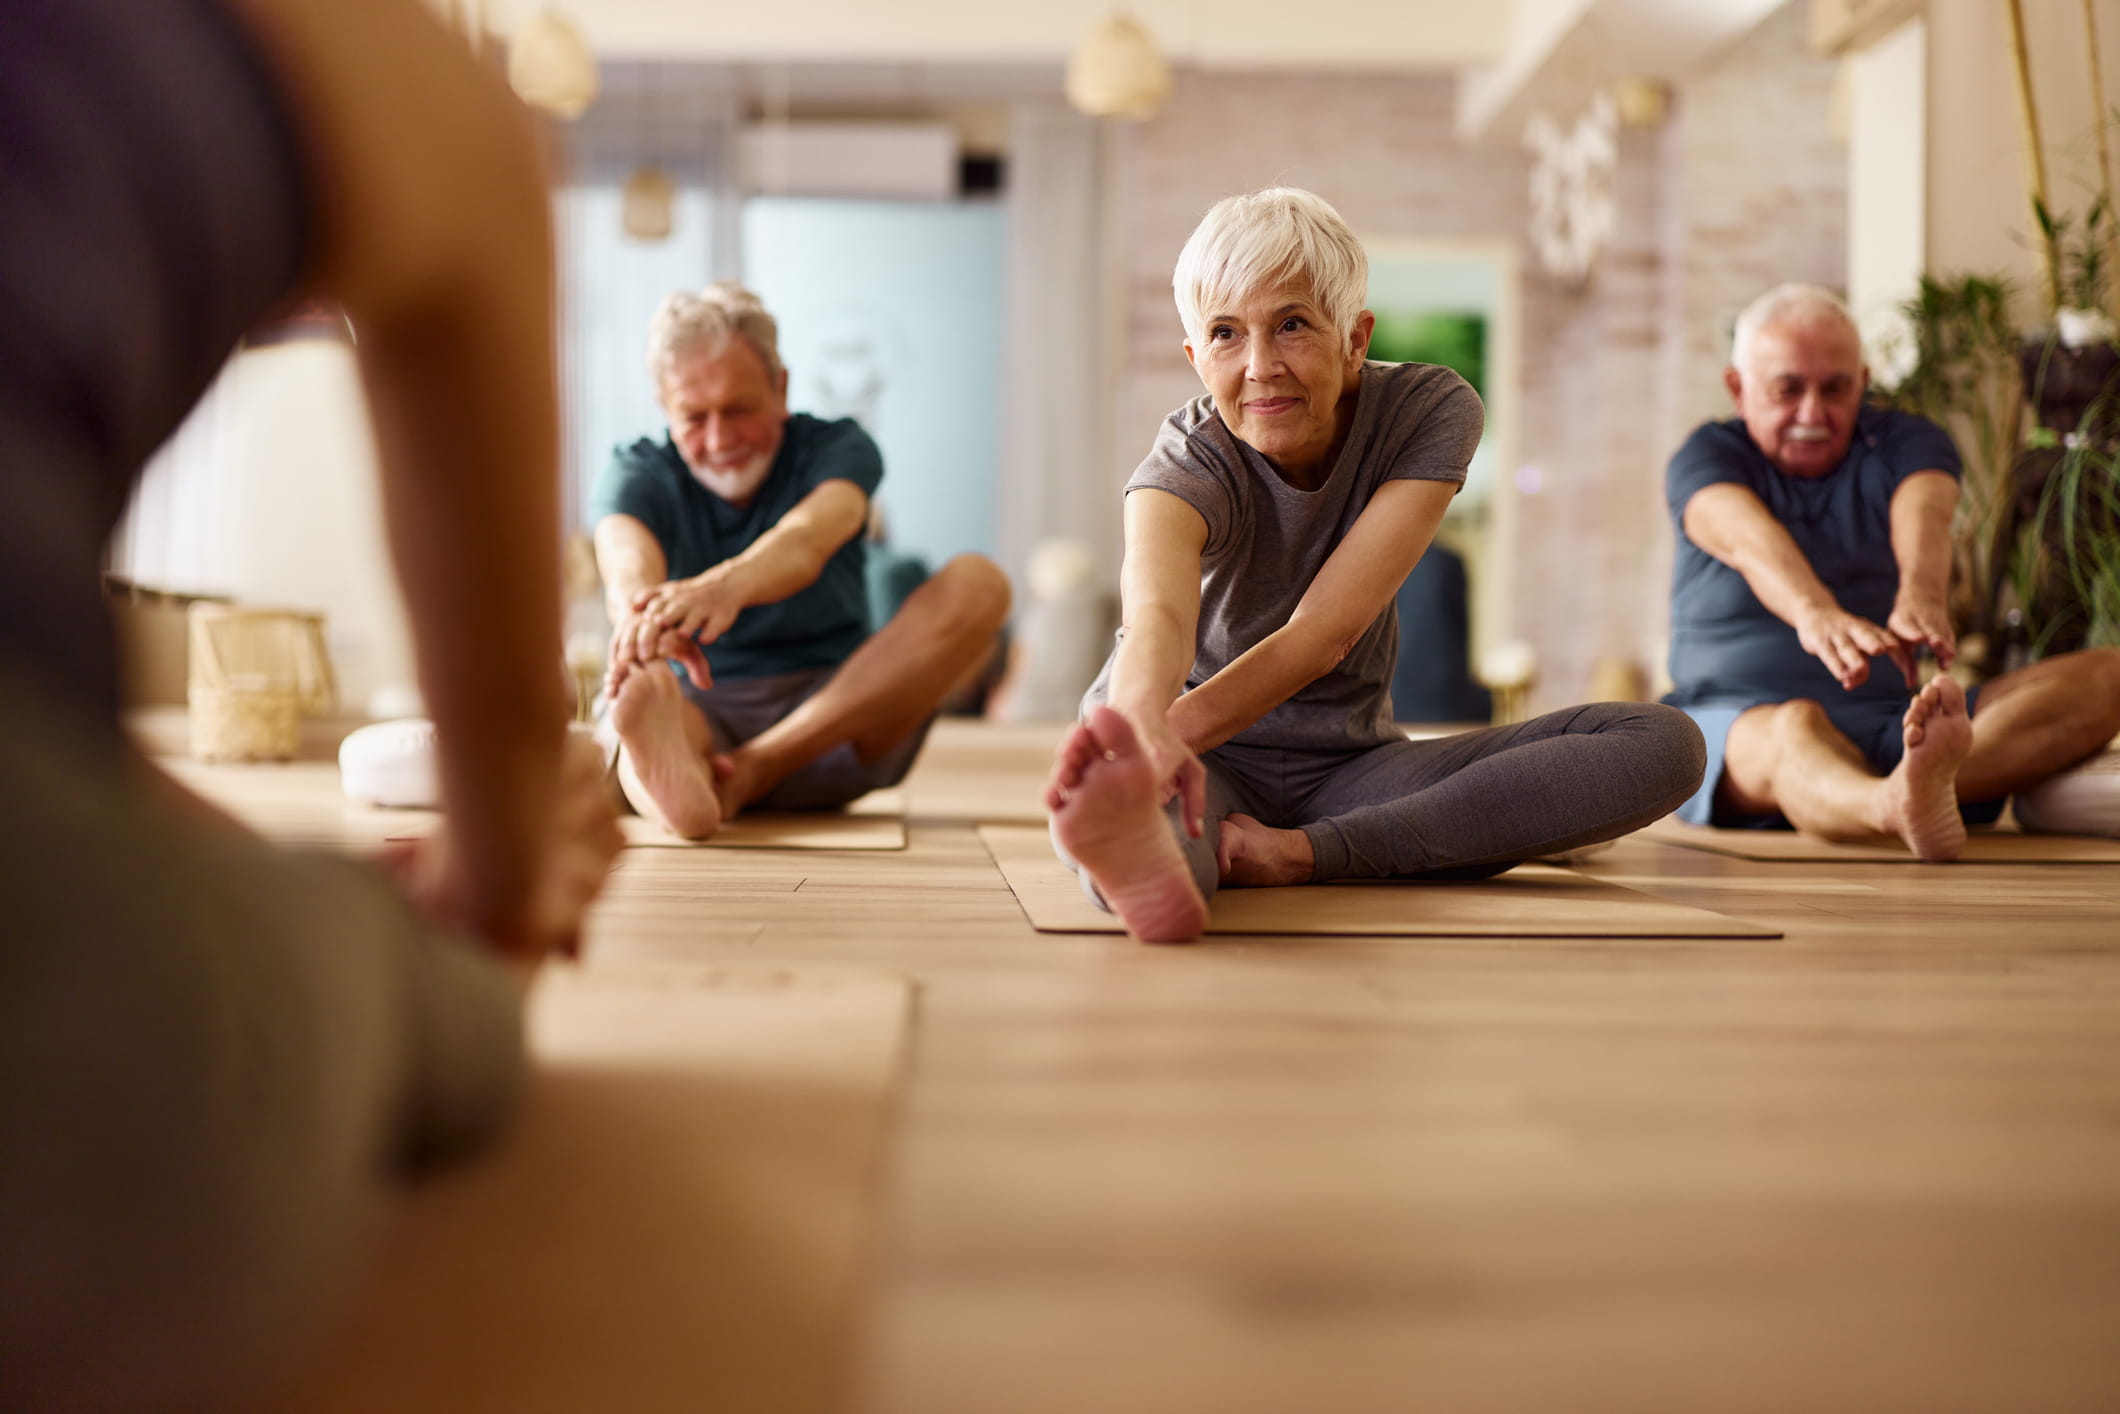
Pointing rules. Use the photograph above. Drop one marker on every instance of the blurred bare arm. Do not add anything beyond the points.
(434, 233)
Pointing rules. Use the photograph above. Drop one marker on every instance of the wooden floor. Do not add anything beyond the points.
(1871, 1166)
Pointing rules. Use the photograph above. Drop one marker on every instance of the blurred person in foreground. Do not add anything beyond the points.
(1814, 561)
(733, 551)
(218, 1059)
(1241, 732)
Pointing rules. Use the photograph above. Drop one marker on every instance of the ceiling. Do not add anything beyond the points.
(1414, 35)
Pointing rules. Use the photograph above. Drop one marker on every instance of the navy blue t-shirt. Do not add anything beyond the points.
(1726, 646)
(815, 627)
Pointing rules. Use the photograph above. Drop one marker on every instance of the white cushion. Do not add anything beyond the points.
(2084, 800)
(391, 763)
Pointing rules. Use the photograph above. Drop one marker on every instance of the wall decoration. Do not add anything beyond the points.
(1571, 187)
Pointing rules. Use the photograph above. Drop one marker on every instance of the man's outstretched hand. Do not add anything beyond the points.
(1846, 642)
(639, 642)
(1922, 623)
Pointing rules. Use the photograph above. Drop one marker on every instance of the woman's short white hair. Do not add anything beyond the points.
(1266, 240)
(703, 323)
(1787, 304)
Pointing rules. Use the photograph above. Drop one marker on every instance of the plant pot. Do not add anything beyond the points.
(2063, 383)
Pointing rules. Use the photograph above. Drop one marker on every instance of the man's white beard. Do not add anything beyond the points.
(739, 483)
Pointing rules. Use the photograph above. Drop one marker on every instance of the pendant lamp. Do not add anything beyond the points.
(551, 67)
(1117, 73)
(647, 204)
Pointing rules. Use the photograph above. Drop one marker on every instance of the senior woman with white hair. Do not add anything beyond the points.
(1241, 732)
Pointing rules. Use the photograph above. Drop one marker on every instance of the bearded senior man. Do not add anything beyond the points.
(1813, 561)
(733, 547)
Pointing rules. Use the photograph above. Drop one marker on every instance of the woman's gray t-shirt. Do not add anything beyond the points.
(1267, 540)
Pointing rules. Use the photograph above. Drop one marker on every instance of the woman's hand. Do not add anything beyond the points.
(1178, 771)
(575, 852)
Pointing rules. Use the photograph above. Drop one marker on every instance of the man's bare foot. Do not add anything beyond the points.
(1921, 794)
(664, 775)
(1256, 855)
(738, 781)
(1106, 815)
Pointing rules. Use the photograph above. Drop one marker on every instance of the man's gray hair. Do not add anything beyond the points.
(1266, 240)
(703, 323)
(1788, 304)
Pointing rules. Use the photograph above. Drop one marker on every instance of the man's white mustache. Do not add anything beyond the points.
(1809, 434)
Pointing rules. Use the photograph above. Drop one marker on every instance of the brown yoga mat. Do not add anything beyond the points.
(1792, 847)
(1531, 901)
(679, 1222)
(876, 821)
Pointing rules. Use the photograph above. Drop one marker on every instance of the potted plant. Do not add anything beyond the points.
(1962, 360)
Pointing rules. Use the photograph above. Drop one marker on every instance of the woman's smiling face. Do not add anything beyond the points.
(1278, 372)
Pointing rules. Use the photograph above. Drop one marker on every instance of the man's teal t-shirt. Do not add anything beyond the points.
(815, 627)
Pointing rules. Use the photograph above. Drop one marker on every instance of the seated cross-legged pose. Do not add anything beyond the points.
(1814, 539)
(734, 547)
(1241, 732)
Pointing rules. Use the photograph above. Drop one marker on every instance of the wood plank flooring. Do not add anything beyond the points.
(1871, 1166)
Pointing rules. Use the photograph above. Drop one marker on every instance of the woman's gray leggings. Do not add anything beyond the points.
(1467, 806)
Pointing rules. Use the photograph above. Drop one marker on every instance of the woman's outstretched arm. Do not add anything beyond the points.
(1159, 590)
(1357, 581)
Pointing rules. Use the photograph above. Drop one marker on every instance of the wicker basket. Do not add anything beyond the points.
(254, 674)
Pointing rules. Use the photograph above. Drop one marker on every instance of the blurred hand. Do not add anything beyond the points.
(639, 642)
(576, 847)
(1845, 643)
(1923, 623)
(700, 608)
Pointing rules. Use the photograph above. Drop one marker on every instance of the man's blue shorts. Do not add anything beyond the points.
(1875, 727)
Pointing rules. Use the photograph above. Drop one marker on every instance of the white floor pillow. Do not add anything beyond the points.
(2082, 801)
(391, 763)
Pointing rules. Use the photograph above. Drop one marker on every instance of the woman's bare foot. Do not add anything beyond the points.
(1921, 794)
(1106, 815)
(1256, 855)
(662, 771)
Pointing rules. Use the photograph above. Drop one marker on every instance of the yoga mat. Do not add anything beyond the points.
(1530, 901)
(1793, 847)
(876, 821)
(679, 1221)
(995, 774)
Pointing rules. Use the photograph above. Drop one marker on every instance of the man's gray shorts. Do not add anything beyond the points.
(738, 709)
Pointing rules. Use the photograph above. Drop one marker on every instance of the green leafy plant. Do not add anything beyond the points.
(1964, 377)
(2081, 254)
(2067, 575)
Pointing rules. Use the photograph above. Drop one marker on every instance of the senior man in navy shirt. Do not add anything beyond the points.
(1814, 556)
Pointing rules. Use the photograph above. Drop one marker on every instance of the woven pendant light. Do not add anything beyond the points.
(551, 67)
(1117, 73)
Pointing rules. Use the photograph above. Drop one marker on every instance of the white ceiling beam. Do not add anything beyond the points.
(1562, 52)
(1228, 34)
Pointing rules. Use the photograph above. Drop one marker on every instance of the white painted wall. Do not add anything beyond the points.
(1978, 215)
(268, 494)
(1887, 92)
